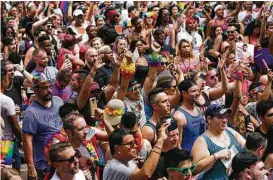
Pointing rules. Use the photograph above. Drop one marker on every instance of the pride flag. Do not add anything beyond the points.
(6, 152)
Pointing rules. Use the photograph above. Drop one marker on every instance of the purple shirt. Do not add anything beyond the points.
(64, 94)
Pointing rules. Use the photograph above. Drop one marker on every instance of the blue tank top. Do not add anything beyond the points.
(194, 128)
(218, 171)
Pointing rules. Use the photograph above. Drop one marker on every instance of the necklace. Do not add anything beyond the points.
(10, 86)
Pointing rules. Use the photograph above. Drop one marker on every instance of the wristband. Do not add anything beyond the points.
(158, 148)
(154, 59)
(127, 70)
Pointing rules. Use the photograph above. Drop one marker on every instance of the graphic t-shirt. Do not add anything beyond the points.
(40, 122)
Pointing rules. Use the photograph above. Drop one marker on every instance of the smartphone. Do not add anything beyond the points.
(173, 125)
(93, 105)
(247, 121)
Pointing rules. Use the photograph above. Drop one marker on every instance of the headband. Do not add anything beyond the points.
(218, 7)
(112, 12)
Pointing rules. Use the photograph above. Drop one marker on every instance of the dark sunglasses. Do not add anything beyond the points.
(49, 26)
(115, 15)
(184, 171)
(72, 159)
(164, 63)
(230, 32)
(131, 143)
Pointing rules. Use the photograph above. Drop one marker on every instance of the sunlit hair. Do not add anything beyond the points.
(178, 48)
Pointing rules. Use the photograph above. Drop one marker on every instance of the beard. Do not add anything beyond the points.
(47, 97)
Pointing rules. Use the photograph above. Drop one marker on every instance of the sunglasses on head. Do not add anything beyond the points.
(72, 159)
(184, 171)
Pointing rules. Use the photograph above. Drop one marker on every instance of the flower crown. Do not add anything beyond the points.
(111, 112)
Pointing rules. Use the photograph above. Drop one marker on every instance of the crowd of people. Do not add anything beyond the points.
(119, 90)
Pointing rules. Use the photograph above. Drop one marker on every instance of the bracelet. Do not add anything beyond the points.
(158, 148)
(92, 75)
(214, 157)
(237, 97)
(156, 152)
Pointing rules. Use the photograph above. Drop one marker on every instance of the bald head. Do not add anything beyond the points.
(91, 56)
(263, 79)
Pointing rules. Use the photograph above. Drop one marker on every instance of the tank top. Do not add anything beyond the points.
(223, 26)
(218, 170)
(148, 123)
(194, 128)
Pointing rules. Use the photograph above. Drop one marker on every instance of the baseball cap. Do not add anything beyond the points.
(77, 12)
(190, 19)
(242, 161)
(41, 78)
(217, 110)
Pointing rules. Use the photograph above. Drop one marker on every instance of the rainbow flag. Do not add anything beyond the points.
(6, 152)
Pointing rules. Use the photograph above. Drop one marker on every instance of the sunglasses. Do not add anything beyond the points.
(115, 15)
(49, 26)
(184, 171)
(230, 32)
(134, 88)
(164, 63)
(72, 159)
(131, 143)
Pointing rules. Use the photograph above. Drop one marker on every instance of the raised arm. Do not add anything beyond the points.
(237, 9)
(85, 91)
(28, 82)
(113, 82)
(267, 89)
(150, 164)
(41, 22)
(125, 77)
(236, 101)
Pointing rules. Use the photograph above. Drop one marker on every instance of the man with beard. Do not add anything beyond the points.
(191, 122)
(108, 32)
(40, 120)
(66, 161)
(40, 57)
(45, 43)
(158, 99)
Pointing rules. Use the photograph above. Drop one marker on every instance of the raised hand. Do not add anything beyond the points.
(155, 47)
(98, 64)
(162, 131)
(18, 67)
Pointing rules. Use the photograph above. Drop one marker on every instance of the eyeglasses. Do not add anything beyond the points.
(213, 77)
(230, 32)
(71, 159)
(131, 143)
(46, 87)
(184, 171)
(49, 26)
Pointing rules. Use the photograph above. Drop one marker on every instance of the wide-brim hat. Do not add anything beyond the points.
(114, 111)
